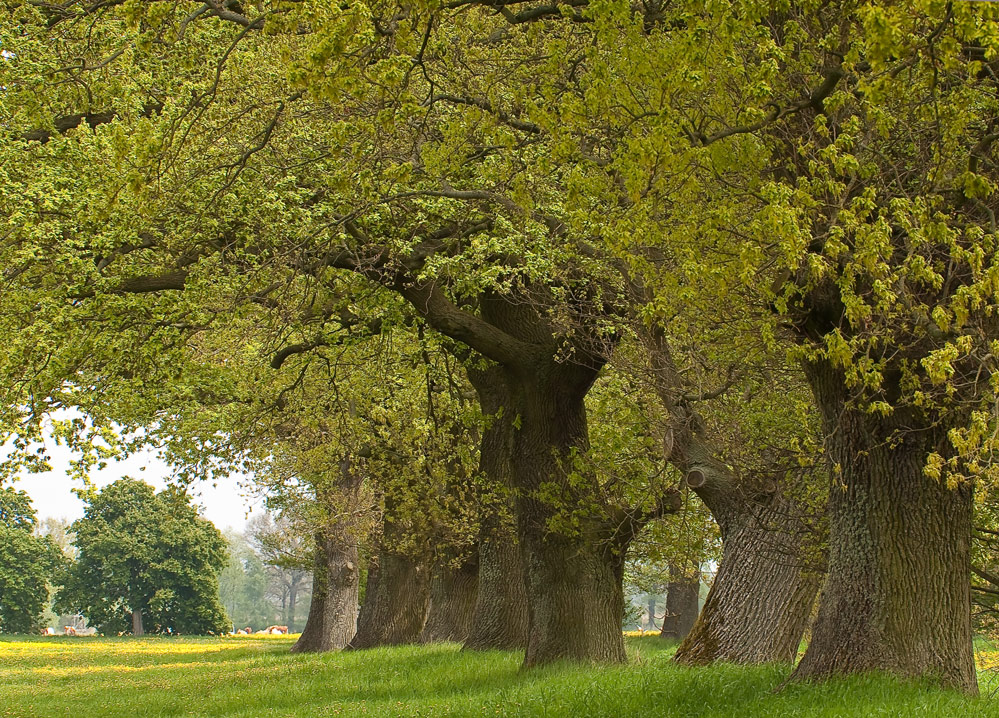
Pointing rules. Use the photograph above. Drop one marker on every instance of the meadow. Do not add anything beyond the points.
(257, 676)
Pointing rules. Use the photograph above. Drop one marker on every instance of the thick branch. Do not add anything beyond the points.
(169, 281)
(442, 314)
(64, 124)
(348, 321)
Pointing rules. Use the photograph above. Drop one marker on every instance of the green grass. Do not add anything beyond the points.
(107, 677)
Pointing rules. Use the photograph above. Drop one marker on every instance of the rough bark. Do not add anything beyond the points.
(575, 597)
(759, 604)
(499, 619)
(137, 629)
(332, 619)
(453, 592)
(682, 594)
(897, 596)
(500, 615)
(395, 603)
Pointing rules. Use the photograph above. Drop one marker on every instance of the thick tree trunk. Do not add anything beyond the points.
(453, 592)
(332, 619)
(137, 629)
(499, 619)
(395, 601)
(574, 568)
(575, 597)
(897, 596)
(759, 604)
(682, 594)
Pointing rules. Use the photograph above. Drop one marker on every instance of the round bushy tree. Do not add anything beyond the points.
(147, 562)
(26, 563)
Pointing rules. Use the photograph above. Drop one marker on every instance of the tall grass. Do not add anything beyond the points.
(83, 677)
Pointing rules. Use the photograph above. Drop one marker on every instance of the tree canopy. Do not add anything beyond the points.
(146, 562)
(27, 564)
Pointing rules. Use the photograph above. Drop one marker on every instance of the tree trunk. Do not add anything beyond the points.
(897, 597)
(137, 629)
(453, 594)
(761, 599)
(758, 606)
(652, 613)
(575, 596)
(332, 619)
(499, 619)
(292, 601)
(682, 594)
(396, 600)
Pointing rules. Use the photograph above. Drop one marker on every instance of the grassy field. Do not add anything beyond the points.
(256, 676)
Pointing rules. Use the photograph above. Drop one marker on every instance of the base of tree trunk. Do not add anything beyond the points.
(898, 594)
(681, 607)
(576, 603)
(395, 603)
(759, 604)
(332, 618)
(499, 620)
(453, 594)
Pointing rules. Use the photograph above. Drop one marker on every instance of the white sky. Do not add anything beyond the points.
(52, 496)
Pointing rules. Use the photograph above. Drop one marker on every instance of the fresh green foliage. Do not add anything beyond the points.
(27, 564)
(251, 677)
(139, 551)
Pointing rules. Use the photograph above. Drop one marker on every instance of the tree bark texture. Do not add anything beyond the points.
(573, 577)
(137, 629)
(499, 618)
(395, 603)
(759, 604)
(897, 596)
(332, 619)
(575, 596)
(453, 592)
(682, 593)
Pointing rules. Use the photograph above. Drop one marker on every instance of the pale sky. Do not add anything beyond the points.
(52, 496)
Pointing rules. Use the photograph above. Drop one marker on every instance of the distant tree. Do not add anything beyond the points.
(146, 562)
(58, 531)
(26, 563)
(243, 585)
(287, 553)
